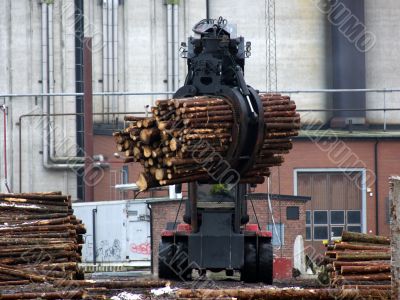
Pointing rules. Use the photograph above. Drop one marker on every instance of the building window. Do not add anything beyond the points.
(308, 225)
(320, 225)
(125, 175)
(337, 223)
(354, 220)
(292, 213)
(278, 233)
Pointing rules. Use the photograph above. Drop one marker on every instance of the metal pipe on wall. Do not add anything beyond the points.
(3, 108)
(376, 167)
(50, 161)
(169, 49)
(88, 119)
(175, 38)
(105, 54)
(115, 104)
(170, 67)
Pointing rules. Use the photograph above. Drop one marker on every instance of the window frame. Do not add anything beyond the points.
(321, 225)
(279, 226)
(309, 225)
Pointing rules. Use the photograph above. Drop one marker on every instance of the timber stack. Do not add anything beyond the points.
(359, 261)
(41, 242)
(184, 136)
(38, 234)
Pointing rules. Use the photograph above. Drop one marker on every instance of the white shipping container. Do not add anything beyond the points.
(118, 233)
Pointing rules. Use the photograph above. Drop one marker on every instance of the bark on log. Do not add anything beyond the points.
(352, 246)
(365, 269)
(277, 293)
(72, 294)
(358, 256)
(348, 236)
(364, 277)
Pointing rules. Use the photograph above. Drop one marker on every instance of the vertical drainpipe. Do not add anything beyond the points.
(105, 55)
(176, 72)
(376, 167)
(88, 119)
(170, 67)
(115, 54)
(176, 45)
(79, 29)
(169, 49)
(109, 55)
(151, 238)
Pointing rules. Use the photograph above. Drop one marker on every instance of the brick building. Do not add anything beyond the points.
(344, 173)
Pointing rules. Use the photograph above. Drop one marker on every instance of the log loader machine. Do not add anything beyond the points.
(215, 234)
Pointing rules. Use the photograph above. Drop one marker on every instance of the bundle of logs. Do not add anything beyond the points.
(359, 261)
(40, 234)
(41, 242)
(169, 144)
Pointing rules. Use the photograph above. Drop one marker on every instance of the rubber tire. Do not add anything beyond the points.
(166, 252)
(182, 261)
(249, 271)
(265, 262)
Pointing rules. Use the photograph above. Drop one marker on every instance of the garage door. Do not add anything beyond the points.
(336, 203)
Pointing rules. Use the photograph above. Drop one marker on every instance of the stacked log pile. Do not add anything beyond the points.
(359, 261)
(40, 248)
(169, 144)
(39, 234)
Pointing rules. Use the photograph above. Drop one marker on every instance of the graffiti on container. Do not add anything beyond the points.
(109, 252)
(143, 248)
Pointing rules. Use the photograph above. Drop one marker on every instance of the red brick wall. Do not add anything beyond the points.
(305, 154)
(103, 190)
(292, 228)
(164, 212)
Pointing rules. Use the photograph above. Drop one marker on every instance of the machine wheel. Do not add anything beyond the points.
(265, 262)
(165, 255)
(249, 271)
(181, 262)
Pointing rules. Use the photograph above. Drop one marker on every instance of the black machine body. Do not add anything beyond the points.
(217, 235)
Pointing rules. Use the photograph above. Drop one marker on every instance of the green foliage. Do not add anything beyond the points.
(219, 189)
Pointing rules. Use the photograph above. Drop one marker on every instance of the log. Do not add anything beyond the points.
(71, 294)
(367, 287)
(149, 135)
(204, 102)
(145, 181)
(348, 236)
(365, 269)
(208, 113)
(113, 284)
(278, 293)
(358, 256)
(363, 277)
(338, 264)
(352, 246)
(132, 118)
(195, 121)
(8, 270)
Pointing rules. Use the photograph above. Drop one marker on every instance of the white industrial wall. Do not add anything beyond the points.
(382, 60)
(21, 72)
(140, 58)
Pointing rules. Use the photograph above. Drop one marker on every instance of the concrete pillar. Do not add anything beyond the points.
(394, 196)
